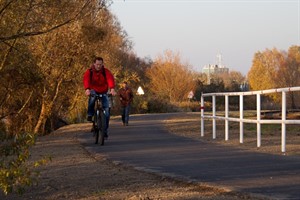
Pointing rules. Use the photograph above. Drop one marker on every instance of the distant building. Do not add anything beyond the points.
(217, 68)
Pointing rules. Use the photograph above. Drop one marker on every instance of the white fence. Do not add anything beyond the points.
(283, 121)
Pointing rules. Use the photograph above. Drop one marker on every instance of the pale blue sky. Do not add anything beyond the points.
(200, 29)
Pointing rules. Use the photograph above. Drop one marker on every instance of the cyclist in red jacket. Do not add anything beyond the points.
(97, 80)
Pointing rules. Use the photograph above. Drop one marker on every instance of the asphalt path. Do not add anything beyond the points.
(146, 145)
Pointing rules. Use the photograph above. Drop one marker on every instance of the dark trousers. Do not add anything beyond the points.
(125, 114)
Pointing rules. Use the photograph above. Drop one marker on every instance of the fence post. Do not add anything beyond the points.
(241, 118)
(258, 107)
(202, 116)
(214, 116)
(283, 125)
(226, 117)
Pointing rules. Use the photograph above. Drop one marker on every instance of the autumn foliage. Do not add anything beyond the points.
(170, 78)
(45, 46)
(276, 69)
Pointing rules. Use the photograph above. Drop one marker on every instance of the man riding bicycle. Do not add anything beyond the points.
(97, 80)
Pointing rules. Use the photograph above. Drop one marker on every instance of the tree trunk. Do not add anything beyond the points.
(293, 104)
(46, 109)
(40, 125)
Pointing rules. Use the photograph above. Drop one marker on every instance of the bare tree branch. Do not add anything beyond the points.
(27, 101)
(6, 6)
(34, 33)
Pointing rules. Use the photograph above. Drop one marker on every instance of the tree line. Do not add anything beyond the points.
(45, 48)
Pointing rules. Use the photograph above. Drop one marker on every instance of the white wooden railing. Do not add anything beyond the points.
(283, 121)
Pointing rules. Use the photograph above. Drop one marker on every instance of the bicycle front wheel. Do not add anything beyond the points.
(96, 127)
(102, 122)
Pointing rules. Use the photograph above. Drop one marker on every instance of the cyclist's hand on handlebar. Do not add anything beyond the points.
(87, 92)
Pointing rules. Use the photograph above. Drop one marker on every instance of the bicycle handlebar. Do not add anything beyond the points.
(103, 95)
(100, 95)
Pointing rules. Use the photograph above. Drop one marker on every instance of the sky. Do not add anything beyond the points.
(201, 29)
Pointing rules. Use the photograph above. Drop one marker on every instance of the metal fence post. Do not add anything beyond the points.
(241, 118)
(258, 107)
(214, 116)
(202, 116)
(283, 125)
(226, 117)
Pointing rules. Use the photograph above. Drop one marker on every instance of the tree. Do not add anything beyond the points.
(289, 72)
(23, 19)
(265, 67)
(232, 80)
(28, 69)
(102, 35)
(170, 78)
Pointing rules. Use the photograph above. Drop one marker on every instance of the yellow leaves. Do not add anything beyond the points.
(264, 68)
(43, 161)
(275, 69)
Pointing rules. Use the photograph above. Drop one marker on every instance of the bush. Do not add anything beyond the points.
(187, 106)
(14, 152)
(157, 105)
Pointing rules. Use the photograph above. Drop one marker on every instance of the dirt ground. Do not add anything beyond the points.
(74, 173)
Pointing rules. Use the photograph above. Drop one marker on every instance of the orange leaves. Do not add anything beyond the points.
(170, 78)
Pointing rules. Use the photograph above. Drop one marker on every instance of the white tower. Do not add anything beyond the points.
(219, 60)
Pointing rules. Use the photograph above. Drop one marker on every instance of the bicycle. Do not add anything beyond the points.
(99, 121)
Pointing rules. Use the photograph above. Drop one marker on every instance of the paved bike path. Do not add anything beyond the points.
(145, 144)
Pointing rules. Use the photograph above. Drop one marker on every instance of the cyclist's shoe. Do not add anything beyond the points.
(90, 118)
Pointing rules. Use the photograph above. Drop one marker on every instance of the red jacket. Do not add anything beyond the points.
(97, 82)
